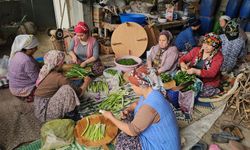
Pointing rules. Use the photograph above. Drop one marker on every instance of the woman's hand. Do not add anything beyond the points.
(125, 113)
(107, 114)
(184, 67)
(194, 71)
(83, 64)
(73, 57)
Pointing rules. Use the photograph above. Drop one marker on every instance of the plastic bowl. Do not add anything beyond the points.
(107, 75)
(127, 68)
(130, 17)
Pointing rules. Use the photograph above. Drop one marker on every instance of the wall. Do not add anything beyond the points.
(10, 11)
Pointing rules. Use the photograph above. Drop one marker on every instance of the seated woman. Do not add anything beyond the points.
(185, 40)
(154, 125)
(163, 57)
(233, 46)
(84, 49)
(54, 97)
(23, 69)
(205, 62)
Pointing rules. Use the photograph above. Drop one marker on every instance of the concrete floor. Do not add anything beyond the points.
(10, 104)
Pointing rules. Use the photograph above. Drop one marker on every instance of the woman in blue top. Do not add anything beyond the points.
(185, 40)
(154, 125)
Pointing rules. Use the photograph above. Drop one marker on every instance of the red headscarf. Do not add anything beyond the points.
(81, 27)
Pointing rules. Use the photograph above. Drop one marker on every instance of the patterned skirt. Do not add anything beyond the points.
(126, 142)
(63, 101)
(209, 91)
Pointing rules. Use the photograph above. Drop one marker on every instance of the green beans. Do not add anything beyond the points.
(97, 86)
(95, 132)
(115, 102)
(78, 72)
(87, 126)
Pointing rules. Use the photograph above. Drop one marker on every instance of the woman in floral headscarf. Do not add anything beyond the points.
(163, 56)
(23, 69)
(84, 49)
(205, 62)
(54, 97)
(154, 125)
(233, 46)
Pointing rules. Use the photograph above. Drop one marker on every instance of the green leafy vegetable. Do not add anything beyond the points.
(78, 72)
(165, 77)
(127, 61)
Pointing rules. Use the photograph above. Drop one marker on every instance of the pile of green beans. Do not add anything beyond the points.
(78, 72)
(97, 86)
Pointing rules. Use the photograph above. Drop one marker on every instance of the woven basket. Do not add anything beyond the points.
(106, 49)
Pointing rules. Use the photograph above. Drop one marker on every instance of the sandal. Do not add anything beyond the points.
(224, 137)
(234, 130)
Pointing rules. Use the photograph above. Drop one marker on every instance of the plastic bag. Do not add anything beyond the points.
(57, 133)
(186, 101)
(4, 66)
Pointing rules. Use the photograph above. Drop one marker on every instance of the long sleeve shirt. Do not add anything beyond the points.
(209, 76)
(169, 58)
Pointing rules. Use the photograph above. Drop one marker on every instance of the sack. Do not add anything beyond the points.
(4, 66)
(57, 133)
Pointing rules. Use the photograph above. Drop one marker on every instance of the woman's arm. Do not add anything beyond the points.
(145, 116)
(73, 56)
(94, 57)
(90, 60)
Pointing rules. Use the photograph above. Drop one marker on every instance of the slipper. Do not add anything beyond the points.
(234, 130)
(200, 146)
(224, 137)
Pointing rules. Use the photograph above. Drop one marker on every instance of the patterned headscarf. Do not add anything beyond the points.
(81, 27)
(52, 59)
(144, 77)
(157, 60)
(23, 41)
(212, 40)
(232, 30)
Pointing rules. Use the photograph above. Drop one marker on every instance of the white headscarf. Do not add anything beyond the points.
(23, 41)
(225, 17)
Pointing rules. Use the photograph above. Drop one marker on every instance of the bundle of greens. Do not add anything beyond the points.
(78, 72)
(113, 72)
(165, 77)
(94, 132)
(115, 102)
(127, 61)
(183, 77)
(97, 86)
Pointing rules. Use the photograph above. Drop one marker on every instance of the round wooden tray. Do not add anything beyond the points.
(129, 39)
(110, 132)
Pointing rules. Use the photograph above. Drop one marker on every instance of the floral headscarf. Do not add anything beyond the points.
(212, 40)
(232, 30)
(144, 77)
(52, 59)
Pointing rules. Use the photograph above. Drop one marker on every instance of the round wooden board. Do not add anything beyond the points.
(129, 39)
(110, 132)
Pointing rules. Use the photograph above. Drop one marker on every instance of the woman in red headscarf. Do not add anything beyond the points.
(84, 49)
(205, 62)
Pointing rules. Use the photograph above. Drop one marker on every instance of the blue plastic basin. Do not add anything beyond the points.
(138, 18)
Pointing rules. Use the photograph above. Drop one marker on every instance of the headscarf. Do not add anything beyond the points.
(212, 40)
(23, 41)
(52, 59)
(82, 27)
(144, 77)
(157, 60)
(232, 30)
(225, 17)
